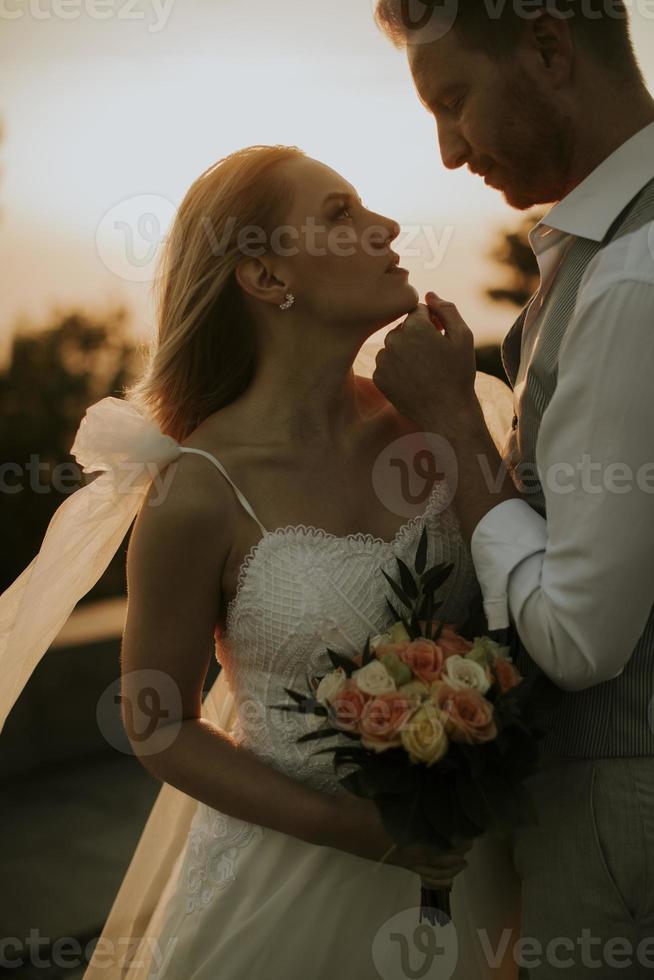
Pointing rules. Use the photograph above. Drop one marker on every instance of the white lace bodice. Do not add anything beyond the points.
(301, 590)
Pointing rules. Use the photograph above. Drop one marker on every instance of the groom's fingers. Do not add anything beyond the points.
(418, 320)
(447, 314)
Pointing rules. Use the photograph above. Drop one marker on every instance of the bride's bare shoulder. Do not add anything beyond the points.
(192, 483)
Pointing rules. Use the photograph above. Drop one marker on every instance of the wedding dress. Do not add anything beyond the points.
(208, 896)
(236, 900)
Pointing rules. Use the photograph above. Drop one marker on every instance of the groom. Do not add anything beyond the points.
(546, 101)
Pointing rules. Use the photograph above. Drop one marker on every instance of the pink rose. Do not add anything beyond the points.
(424, 658)
(441, 693)
(451, 643)
(469, 716)
(383, 718)
(506, 674)
(348, 706)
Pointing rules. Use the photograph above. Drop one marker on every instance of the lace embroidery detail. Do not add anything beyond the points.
(302, 589)
(214, 842)
(310, 531)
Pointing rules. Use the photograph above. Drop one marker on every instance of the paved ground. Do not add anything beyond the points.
(72, 807)
(66, 838)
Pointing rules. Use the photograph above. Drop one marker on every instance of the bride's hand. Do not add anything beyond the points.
(436, 869)
(358, 828)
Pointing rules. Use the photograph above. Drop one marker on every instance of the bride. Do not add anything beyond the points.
(266, 547)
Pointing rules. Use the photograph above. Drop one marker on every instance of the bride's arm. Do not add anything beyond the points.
(175, 559)
(176, 555)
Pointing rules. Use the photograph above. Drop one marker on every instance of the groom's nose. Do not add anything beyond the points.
(454, 148)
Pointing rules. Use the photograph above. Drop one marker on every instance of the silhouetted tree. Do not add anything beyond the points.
(489, 360)
(513, 254)
(50, 380)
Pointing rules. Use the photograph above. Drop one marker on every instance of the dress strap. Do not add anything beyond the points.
(246, 504)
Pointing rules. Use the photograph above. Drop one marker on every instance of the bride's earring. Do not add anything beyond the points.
(290, 301)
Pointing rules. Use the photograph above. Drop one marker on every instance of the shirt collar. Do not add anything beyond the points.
(590, 208)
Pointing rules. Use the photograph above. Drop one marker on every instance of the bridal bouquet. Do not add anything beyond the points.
(444, 731)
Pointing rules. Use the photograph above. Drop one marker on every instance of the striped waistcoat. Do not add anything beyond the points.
(615, 718)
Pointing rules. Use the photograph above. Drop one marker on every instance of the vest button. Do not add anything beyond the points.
(514, 423)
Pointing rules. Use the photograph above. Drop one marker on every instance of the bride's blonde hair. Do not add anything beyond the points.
(203, 354)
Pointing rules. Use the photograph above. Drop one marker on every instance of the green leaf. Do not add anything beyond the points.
(413, 633)
(395, 614)
(304, 704)
(318, 734)
(349, 753)
(421, 553)
(368, 654)
(336, 750)
(426, 607)
(434, 577)
(399, 618)
(439, 629)
(399, 592)
(407, 579)
(338, 660)
(299, 698)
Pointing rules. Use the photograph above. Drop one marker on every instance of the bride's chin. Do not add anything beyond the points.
(404, 300)
(410, 298)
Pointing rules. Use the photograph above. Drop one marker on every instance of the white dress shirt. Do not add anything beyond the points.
(580, 585)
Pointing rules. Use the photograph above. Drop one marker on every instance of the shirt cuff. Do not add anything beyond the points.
(504, 537)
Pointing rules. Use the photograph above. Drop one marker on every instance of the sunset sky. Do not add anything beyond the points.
(106, 118)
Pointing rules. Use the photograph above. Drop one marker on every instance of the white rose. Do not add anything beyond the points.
(376, 641)
(330, 685)
(374, 679)
(462, 674)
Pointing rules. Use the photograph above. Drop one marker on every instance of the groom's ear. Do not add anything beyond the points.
(256, 279)
(553, 47)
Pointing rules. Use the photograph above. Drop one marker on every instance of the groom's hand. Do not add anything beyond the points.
(427, 367)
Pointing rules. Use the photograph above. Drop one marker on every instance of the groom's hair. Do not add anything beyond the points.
(495, 26)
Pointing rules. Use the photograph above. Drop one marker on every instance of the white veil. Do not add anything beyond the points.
(85, 532)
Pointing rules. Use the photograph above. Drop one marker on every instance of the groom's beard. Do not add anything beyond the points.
(537, 143)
